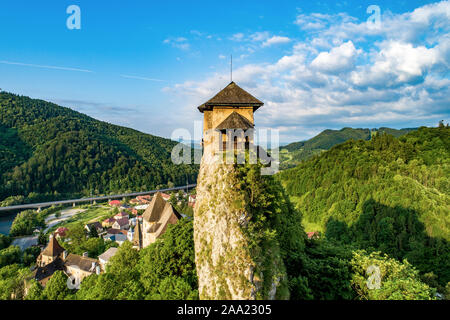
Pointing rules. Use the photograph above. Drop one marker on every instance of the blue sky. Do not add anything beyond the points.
(316, 65)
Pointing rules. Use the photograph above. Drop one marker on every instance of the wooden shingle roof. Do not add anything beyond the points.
(44, 273)
(235, 121)
(155, 208)
(137, 236)
(53, 248)
(84, 263)
(232, 95)
(108, 254)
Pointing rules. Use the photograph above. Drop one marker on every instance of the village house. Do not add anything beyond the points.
(144, 199)
(61, 232)
(117, 235)
(165, 196)
(122, 224)
(125, 207)
(107, 223)
(97, 225)
(313, 235)
(116, 231)
(54, 258)
(106, 256)
(115, 203)
(119, 238)
(155, 220)
(121, 215)
(141, 207)
(79, 267)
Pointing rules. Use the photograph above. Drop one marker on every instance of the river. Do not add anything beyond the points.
(6, 220)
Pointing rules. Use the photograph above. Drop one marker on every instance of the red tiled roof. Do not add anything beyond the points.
(147, 197)
(312, 234)
(165, 195)
(61, 231)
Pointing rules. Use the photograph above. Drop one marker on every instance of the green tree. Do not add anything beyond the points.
(174, 288)
(10, 255)
(99, 287)
(25, 223)
(123, 263)
(93, 232)
(398, 281)
(29, 255)
(12, 281)
(35, 291)
(172, 256)
(56, 288)
(5, 241)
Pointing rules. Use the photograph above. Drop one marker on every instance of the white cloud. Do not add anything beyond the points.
(237, 37)
(275, 40)
(259, 36)
(179, 42)
(338, 59)
(344, 73)
(141, 78)
(396, 64)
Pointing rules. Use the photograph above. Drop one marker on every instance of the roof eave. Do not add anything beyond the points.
(209, 107)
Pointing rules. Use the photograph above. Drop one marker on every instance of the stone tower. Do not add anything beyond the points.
(230, 110)
(226, 266)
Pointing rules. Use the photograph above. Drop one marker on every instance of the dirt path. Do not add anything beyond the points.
(66, 214)
(25, 242)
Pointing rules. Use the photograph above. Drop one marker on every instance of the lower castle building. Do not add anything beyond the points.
(54, 258)
(155, 220)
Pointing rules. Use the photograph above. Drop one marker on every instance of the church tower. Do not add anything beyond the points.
(228, 118)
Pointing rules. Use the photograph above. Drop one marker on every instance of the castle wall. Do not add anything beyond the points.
(211, 119)
(212, 140)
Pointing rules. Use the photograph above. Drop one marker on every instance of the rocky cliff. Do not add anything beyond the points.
(237, 249)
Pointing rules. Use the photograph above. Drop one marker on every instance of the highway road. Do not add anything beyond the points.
(75, 201)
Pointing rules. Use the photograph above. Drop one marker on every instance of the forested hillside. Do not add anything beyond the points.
(293, 153)
(388, 194)
(48, 152)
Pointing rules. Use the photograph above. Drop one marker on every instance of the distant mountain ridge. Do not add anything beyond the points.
(48, 152)
(293, 153)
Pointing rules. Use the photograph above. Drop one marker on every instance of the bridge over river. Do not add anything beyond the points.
(42, 205)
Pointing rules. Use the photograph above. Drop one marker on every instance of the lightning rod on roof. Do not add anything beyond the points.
(231, 69)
